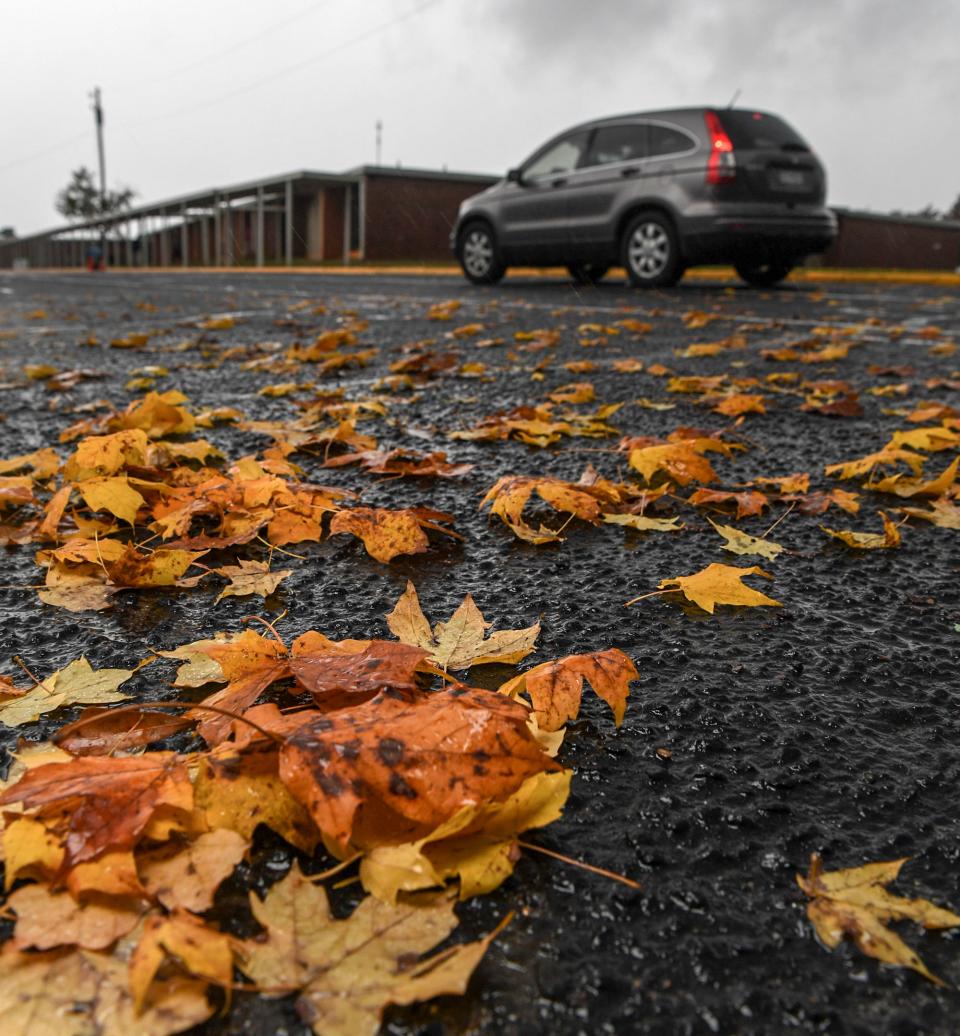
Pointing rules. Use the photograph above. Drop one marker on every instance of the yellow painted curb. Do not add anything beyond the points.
(816, 275)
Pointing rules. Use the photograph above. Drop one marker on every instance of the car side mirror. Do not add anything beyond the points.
(514, 176)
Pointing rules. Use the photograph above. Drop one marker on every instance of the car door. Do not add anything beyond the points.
(614, 163)
(534, 212)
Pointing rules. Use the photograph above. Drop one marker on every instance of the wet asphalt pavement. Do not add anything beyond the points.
(829, 725)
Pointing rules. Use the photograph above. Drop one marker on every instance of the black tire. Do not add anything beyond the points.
(650, 251)
(587, 273)
(479, 254)
(763, 274)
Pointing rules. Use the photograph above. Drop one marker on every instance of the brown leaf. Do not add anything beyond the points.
(391, 770)
(187, 875)
(556, 687)
(47, 919)
(337, 679)
(110, 801)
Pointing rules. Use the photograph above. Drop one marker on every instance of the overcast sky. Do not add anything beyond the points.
(203, 93)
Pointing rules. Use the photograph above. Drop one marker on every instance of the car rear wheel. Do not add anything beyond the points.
(478, 254)
(587, 273)
(763, 275)
(650, 251)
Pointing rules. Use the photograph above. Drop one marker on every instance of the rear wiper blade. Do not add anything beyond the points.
(795, 147)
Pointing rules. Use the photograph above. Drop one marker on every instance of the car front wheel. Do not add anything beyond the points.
(763, 275)
(478, 254)
(650, 251)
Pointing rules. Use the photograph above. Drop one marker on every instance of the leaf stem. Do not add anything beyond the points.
(612, 875)
(779, 520)
(141, 706)
(643, 597)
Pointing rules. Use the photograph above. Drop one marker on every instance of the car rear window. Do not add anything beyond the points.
(759, 131)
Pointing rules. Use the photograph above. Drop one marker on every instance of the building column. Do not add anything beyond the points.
(347, 198)
(362, 217)
(184, 238)
(258, 229)
(288, 222)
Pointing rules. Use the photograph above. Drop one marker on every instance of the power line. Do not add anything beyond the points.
(289, 69)
(207, 59)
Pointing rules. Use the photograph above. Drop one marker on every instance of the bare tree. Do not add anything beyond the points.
(80, 199)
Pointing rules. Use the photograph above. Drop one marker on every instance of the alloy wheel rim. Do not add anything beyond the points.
(478, 253)
(649, 250)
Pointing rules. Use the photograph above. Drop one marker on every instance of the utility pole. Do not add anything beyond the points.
(379, 135)
(98, 118)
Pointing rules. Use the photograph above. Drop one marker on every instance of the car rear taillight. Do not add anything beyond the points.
(721, 162)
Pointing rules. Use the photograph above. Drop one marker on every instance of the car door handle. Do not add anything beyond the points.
(558, 182)
(631, 170)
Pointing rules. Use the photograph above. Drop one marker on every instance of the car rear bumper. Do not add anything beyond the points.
(731, 236)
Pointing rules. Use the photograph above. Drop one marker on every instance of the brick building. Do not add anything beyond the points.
(374, 213)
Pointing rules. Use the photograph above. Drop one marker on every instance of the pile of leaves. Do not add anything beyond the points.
(366, 751)
(373, 763)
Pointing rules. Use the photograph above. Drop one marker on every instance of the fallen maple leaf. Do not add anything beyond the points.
(186, 876)
(719, 584)
(941, 512)
(408, 765)
(340, 678)
(509, 496)
(79, 993)
(109, 801)
(386, 533)
(350, 970)
(250, 577)
(856, 903)
(203, 951)
(556, 688)
(890, 537)
(76, 684)
(461, 641)
(739, 542)
(238, 791)
(478, 845)
(750, 502)
(642, 523)
(47, 919)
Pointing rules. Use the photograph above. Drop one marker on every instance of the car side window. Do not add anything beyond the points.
(664, 140)
(563, 156)
(621, 143)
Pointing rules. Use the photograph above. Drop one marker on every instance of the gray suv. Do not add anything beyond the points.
(654, 192)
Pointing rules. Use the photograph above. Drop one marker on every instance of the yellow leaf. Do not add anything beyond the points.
(80, 993)
(460, 642)
(76, 684)
(112, 494)
(890, 537)
(855, 903)
(720, 584)
(250, 577)
(478, 844)
(739, 542)
(642, 523)
(350, 970)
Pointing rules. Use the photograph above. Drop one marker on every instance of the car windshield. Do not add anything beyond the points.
(761, 132)
(561, 157)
